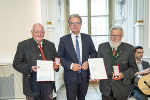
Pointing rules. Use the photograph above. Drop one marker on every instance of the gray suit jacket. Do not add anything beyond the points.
(68, 56)
(26, 56)
(126, 60)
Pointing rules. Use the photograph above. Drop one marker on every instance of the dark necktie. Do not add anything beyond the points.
(43, 57)
(78, 51)
(114, 51)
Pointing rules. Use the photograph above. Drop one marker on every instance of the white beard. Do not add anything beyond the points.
(114, 44)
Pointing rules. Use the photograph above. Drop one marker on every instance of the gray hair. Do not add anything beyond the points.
(116, 28)
(75, 15)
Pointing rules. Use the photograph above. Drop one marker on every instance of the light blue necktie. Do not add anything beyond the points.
(78, 52)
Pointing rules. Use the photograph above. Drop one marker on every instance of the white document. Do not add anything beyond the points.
(46, 71)
(97, 68)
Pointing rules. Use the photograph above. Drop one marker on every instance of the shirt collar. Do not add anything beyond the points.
(139, 63)
(37, 42)
(74, 36)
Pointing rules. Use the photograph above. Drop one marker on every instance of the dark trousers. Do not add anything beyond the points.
(78, 90)
(111, 97)
(46, 93)
(139, 95)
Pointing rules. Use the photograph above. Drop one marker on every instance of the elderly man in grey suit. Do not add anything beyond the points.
(74, 50)
(25, 61)
(116, 53)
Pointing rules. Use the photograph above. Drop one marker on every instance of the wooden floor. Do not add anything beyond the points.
(92, 94)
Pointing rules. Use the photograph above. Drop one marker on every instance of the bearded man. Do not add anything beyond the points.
(120, 54)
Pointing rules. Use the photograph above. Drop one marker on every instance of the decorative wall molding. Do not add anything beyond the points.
(139, 34)
(11, 86)
(6, 59)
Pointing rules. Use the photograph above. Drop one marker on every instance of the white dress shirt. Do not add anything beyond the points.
(140, 67)
(73, 36)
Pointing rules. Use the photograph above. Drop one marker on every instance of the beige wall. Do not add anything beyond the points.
(16, 20)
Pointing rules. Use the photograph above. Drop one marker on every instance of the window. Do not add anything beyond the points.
(95, 16)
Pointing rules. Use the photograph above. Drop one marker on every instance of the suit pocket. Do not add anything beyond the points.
(126, 81)
(34, 85)
(123, 61)
(123, 64)
(26, 83)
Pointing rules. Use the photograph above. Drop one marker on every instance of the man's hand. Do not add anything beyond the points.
(56, 66)
(85, 65)
(76, 67)
(94, 80)
(34, 68)
(118, 78)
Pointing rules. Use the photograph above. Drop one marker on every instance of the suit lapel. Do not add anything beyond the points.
(144, 65)
(109, 52)
(70, 43)
(35, 51)
(120, 51)
(83, 45)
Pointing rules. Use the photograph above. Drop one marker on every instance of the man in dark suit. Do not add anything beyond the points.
(25, 61)
(74, 50)
(143, 67)
(116, 53)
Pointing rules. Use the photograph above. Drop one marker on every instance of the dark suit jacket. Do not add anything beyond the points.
(126, 60)
(26, 56)
(145, 64)
(68, 56)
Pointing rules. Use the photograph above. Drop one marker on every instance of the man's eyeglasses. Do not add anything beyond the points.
(74, 23)
(115, 35)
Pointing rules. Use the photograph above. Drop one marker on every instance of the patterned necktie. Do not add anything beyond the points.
(43, 57)
(78, 51)
(114, 51)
